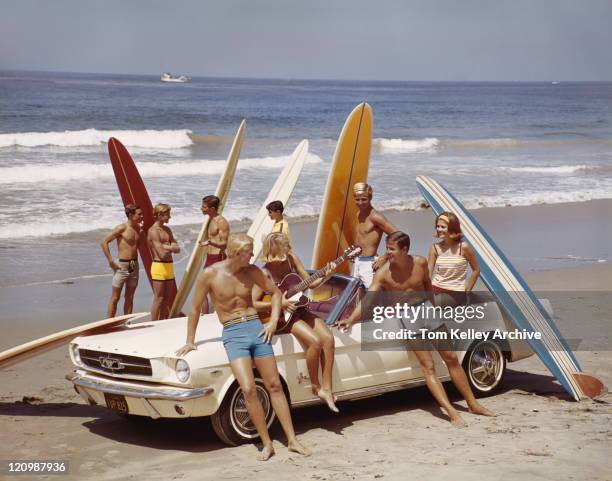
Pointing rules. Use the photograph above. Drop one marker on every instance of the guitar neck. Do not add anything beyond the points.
(305, 284)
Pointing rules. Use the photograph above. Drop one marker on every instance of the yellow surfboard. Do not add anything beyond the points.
(194, 266)
(38, 346)
(337, 222)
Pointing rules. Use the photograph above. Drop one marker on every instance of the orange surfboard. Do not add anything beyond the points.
(337, 222)
(133, 191)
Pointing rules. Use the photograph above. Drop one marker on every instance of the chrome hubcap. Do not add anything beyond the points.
(485, 366)
(240, 416)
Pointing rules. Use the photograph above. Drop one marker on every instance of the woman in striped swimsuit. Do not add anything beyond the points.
(448, 262)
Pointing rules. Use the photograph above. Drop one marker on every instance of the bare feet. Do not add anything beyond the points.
(481, 410)
(266, 453)
(295, 447)
(329, 398)
(457, 420)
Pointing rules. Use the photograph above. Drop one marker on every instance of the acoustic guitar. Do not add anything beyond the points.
(293, 286)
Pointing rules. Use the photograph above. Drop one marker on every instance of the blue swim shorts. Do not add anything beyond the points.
(242, 340)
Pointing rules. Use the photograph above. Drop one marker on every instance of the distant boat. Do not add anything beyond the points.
(168, 77)
(554, 82)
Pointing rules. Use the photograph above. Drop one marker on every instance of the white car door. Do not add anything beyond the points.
(384, 361)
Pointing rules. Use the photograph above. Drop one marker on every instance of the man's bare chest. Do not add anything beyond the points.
(163, 235)
(130, 237)
(365, 227)
(213, 228)
(227, 286)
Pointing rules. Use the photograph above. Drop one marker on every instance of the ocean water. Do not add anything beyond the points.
(491, 144)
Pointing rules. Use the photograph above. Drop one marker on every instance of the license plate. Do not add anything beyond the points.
(116, 402)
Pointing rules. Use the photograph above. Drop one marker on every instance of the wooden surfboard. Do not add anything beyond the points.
(336, 230)
(34, 348)
(281, 190)
(133, 191)
(197, 255)
(515, 296)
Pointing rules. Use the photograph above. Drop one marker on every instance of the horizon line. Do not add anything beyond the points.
(560, 80)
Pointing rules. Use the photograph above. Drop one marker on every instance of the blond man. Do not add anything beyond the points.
(163, 245)
(371, 225)
(246, 340)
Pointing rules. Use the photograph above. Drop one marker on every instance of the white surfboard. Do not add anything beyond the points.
(515, 296)
(194, 266)
(38, 346)
(282, 189)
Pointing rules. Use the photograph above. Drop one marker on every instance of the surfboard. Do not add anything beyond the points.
(34, 348)
(514, 295)
(281, 190)
(197, 255)
(336, 229)
(133, 191)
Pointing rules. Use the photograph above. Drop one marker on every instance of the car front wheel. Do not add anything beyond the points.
(232, 423)
(485, 366)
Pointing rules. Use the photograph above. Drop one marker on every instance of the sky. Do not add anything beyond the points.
(448, 40)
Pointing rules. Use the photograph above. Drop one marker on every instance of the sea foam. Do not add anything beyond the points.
(81, 171)
(558, 169)
(153, 139)
(400, 146)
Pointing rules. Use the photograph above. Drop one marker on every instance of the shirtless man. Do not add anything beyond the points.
(162, 244)
(406, 273)
(126, 266)
(246, 340)
(218, 232)
(371, 225)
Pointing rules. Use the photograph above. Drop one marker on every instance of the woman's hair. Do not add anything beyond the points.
(276, 246)
(400, 238)
(454, 226)
(160, 209)
(237, 243)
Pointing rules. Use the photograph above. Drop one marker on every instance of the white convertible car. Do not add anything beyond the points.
(135, 370)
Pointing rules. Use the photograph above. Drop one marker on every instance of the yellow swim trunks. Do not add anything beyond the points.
(162, 271)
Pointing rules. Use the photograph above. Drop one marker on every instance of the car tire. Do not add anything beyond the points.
(231, 422)
(485, 367)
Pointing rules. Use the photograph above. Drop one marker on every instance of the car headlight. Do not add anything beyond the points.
(75, 353)
(182, 370)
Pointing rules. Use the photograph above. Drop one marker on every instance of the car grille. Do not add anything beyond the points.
(116, 363)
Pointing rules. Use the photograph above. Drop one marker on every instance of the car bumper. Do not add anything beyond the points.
(144, 400)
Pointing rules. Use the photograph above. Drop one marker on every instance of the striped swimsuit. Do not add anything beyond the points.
(450, 271)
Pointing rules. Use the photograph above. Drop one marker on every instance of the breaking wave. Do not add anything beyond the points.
(400, 146)
(559, 169)
(82, 171)
(153, 139)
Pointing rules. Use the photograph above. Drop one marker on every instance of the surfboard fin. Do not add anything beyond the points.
(590, 385)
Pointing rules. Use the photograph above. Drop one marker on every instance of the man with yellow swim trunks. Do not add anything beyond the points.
(163, 245)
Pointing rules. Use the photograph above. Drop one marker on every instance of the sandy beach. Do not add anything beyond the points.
(539, 434)
(509, 109)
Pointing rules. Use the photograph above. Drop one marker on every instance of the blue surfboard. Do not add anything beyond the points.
(514, 295)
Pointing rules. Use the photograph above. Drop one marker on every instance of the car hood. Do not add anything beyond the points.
(153, 339)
